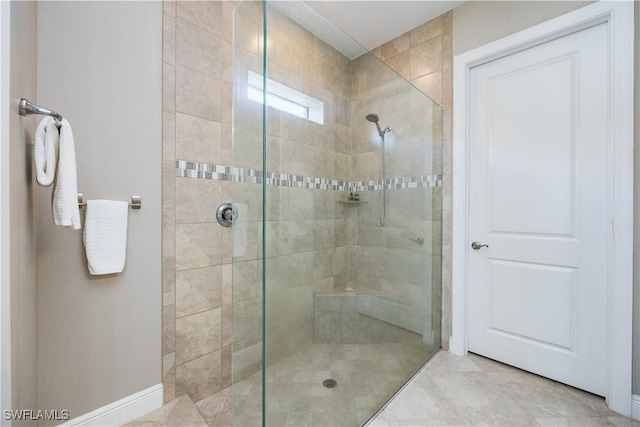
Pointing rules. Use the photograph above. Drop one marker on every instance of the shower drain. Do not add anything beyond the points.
(329, 383)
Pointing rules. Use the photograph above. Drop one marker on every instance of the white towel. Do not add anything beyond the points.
(105, 235)
(45, 151)
(65, 194)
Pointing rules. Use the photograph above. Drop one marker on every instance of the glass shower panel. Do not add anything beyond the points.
(347, 309)
(245, 192)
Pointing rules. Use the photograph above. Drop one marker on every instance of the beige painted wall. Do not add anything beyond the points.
(476, 23)
(22, 219)
(99, 337)
(479, 23)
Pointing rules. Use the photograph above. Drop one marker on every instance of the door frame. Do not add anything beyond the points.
(6, 108)
(620, 19)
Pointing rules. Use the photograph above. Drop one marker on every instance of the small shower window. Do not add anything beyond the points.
(285, 98)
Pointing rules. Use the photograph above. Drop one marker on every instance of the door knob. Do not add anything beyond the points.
(476, 246)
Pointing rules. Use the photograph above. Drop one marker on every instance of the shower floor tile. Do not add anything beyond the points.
(448, 391)
(366, 376)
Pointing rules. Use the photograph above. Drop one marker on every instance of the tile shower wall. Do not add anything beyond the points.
(391, 259)
(423, 56)
(312, 244)
(197, 269)
(307, 235)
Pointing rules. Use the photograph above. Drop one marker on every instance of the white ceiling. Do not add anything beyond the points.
(369, 23)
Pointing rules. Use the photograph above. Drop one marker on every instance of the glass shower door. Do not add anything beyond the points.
(343, 308)
(246, 193)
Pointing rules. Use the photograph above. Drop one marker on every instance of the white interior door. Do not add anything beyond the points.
(538, 197)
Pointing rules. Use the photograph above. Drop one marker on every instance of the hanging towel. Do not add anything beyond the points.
(45, 151)
(65, 194)
(105, 236)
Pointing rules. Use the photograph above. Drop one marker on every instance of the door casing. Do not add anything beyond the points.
(619, 16)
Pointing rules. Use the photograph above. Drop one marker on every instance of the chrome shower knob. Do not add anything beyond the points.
(227, 214)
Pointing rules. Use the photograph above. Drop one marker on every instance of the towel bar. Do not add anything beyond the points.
(26, 108)
(136, 202)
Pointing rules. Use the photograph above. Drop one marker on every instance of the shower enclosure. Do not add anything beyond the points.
(337, 243)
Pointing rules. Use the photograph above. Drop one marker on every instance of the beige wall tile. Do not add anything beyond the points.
(227, 103)
(368, 166)
(431, 85)
(396, 46)
(296, 236)
(169, 7)
(400, 63)
(323, 264)
(227, 284)
(323, 234)
(225, 367)
(245, 281)
(205, 14)
(168, 329)
(168, 185)
(227, 16)
(300, 61)
(198, 49)
(226, 337)
(198, 139)
(427, 31)
(247, 319)
(169, 39)
(168, 281)
(169, 377)
(168, 233)
(168, 136)
(197, 335)
(426, 58)
(168, 88)
(300, 204)
(198, 245)
(197, 200)
(198, 94)
(198, 290)
(200, 377)
(248, 31)
(244, 242)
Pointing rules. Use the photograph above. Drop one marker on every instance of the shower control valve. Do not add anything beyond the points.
(227, 214)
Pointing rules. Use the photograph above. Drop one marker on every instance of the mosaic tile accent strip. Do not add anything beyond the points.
(186, 169)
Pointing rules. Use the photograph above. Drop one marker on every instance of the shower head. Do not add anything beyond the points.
(373, 118)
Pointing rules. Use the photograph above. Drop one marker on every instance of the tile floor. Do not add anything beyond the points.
(448, 391)
(367, 375)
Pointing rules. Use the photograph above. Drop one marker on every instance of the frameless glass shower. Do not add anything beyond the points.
(337, 243)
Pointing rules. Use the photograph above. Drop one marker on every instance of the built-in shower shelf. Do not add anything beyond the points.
(353, 202)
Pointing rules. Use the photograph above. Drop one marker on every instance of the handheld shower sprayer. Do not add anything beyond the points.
(382, 206)
(373, 118)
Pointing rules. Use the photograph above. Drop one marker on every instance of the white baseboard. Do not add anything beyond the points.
(635, 407)
(122, 411)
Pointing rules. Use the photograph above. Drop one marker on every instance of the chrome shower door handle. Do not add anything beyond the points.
(477, 246)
